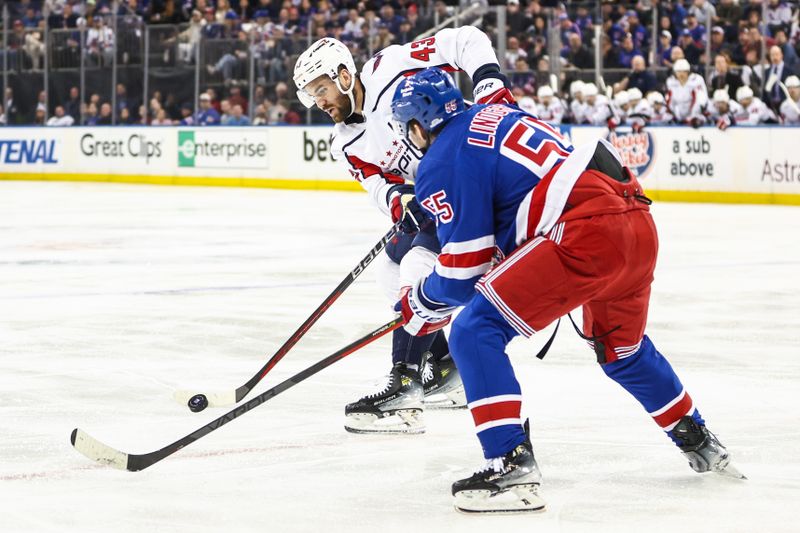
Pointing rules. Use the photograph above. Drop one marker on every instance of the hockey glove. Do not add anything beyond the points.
(422, 317)
(404, 206)
(491, 86)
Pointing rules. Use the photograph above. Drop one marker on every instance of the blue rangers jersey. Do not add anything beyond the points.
(477, 181)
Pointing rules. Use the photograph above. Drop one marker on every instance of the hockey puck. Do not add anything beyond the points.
(198, 402)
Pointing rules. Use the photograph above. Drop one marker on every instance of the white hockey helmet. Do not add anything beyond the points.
(577, 87)
(622, 98)
(792, 81)
(743, 93)
(589, 89)
(721, 95)
(634, 94)
(544, 91)
(655, 97)
(324, 57)
(681, 65)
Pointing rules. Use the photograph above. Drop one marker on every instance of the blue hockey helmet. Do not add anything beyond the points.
(430, 97)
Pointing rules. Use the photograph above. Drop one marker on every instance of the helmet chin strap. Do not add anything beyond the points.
(348, 92)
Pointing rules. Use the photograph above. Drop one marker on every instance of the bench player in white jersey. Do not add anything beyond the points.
(790, 108)
(754, 111)
(723, 111)
(550, 108)
(660, 114)
(639, 109)
(687, 95)
(600, 111)
(578, 107)
(385, 164)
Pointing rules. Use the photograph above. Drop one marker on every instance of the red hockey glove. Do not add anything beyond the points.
(420, 319)
(723, 122)
(493, 91)
(611, 124)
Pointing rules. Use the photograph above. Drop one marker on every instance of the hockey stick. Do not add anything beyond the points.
(789, 97)
(230, 397)
(106, 455)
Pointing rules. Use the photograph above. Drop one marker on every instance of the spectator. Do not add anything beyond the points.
(724, 78)
(696, 30)
(691, 52)
(225, 112)
(405, 35)
(777, 73)
(579, 54)
(789, 53)
(522, 77)
(261, 118)
(383, 39)
(236, 98)
(778, 16)
(206, 115)
(237, 117)
(100, 43)
(609, 51)
(91, 118)
(41, 102)
(211, 29)
(229, 63)
(639, 78)
(718, 44)
(60, 118)
(66, 19)
(189, 38)
(105, 118)
(123, 102)
(73, 106)
(186, 115)
(390, 19)
(161, 119)
(516, 21)
(640, 34)
(2, 117)
(729, 13)
(38, 118)
(352, 28)
(513, 52)
(664, 48)
(125, 117)
(627, 51)
(703, 11)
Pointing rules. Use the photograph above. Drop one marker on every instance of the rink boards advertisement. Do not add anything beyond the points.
(741, 164)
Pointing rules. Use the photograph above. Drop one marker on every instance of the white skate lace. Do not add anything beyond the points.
(427, 372)
(495, 463)
(385, 384)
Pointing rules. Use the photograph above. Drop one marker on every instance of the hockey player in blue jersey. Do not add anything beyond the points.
(531, 228)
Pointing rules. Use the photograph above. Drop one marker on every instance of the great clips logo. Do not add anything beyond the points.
(636, 149)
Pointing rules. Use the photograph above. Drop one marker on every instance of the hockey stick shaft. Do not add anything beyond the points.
(101, 453)
(245, 389)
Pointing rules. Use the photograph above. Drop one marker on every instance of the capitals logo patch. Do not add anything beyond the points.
(636, 149)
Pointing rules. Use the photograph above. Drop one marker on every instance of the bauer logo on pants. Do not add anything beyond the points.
(223, 148)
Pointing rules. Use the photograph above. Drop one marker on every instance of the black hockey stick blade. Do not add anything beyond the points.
(106, 455)
(231, 396)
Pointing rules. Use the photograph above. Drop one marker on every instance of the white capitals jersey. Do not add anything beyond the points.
(371, 149)
(641, 109)
(687, 101)
(789, 112)
(580, 111)
(600, 111)
(756, 112)
(553, 112)
(660, 115)
(734, 110)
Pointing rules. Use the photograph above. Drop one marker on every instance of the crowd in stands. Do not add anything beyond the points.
(722, 42)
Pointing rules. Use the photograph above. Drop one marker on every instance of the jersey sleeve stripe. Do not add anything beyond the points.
(472, 245)
(468, 259)
(462, 273)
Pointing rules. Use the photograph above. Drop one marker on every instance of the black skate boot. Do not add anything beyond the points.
(397, 408)
(704, 451)
(507, 484)
(441, 383)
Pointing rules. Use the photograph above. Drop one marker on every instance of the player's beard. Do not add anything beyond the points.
(343, 109)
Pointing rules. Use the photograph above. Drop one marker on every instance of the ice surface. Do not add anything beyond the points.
(112, 296)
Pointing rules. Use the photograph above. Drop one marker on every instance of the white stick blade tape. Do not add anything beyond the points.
(215, 399)
(99, 452)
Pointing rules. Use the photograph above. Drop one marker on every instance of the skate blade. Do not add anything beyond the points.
(731, 471)
(452, 399)
(517, 499)
(408, 421)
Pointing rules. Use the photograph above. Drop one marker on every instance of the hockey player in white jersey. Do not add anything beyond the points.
(385, 164)
(600, 111)
(660, 114)
(754, 111)
(639, 109)
(549, 108)
(723, 111)
(790, 108)
(621, 106)
(578, 107)
(687, 95)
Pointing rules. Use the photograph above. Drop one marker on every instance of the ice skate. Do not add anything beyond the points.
(507, 484)
(704, 451)
(397, 408)
(441, 384)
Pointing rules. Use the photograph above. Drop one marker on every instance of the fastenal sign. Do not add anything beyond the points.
(224, 148)
(28, 151)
